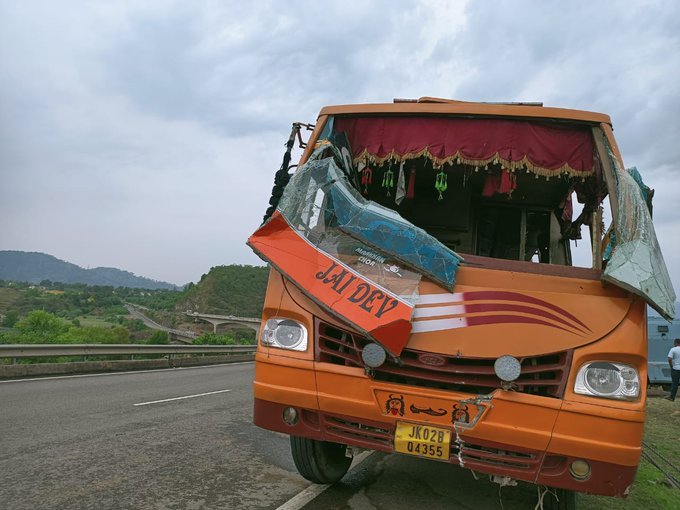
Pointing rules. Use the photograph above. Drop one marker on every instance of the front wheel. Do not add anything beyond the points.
(319, 461)
(560, 499)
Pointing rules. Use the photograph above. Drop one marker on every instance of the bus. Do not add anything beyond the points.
(661, 335)
(422, 297)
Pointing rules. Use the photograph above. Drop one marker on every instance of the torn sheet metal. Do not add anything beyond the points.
(636, 263)
(345, 253)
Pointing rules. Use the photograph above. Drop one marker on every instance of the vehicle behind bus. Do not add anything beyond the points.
(422, 298)
(661, 336)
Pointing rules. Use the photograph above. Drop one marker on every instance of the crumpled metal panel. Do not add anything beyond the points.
(636, 262)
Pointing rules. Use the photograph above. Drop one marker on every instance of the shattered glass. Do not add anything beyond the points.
(321, 204)
(636, 262)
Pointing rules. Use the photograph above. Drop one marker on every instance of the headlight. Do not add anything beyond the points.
(608, 380)
(285, 334)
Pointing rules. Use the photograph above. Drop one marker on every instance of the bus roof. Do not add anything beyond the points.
(435, 106)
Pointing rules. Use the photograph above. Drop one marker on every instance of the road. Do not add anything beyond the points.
(113, 441)
(135, 313)
(80, 442)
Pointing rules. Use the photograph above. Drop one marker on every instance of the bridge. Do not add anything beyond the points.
(218, 320)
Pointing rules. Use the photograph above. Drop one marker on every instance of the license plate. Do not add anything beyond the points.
(422, 440)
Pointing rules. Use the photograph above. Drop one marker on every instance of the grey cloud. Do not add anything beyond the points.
(176, 66)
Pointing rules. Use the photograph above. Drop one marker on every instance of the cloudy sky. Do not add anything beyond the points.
(144, 134)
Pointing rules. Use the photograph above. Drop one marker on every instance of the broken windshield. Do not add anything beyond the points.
(636, 262)
(322, 205)
(353, 257)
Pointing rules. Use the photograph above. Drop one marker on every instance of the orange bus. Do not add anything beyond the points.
(422, 297)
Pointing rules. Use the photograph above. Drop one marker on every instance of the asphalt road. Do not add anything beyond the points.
(82, 443)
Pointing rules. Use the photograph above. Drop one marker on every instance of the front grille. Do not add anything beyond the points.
(372, 435)
(478, 455)
(492, 458)
(541, 375)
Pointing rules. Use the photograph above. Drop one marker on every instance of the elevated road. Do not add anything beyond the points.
(175, 334)
(217, 320)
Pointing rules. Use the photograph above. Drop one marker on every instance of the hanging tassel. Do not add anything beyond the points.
(411, 191)
(388, 180)
(401, 186)
(366, 178)
(440, 184)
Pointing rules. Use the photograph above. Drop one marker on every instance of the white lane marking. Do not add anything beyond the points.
(302, 498)
(124, 373)
(180, 398)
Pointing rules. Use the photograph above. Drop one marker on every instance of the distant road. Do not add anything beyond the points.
(134, 311)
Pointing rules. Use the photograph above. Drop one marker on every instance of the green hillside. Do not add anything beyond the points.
(34, 267)
(227, 290)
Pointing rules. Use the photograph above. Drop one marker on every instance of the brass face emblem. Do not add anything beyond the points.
(395, 405)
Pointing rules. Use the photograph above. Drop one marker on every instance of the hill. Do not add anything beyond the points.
(227, 290)
(34, 267)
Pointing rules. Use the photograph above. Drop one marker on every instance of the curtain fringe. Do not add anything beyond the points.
(437, 162)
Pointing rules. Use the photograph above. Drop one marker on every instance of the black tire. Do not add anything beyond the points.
(566, 500)
(319, 461)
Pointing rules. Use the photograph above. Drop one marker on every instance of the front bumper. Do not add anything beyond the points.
(526, 437)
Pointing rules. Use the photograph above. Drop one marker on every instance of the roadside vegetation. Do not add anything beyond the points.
(55, 312)
(652, 490)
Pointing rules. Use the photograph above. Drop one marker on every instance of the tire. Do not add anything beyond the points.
(319, 461)
(566, 500)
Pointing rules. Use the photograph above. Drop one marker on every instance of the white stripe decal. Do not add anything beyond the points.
(438, 325)
(432, 299)
(439, 311)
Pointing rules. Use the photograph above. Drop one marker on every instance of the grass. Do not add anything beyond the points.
(8, 297)
(650, 490)
(88, 321)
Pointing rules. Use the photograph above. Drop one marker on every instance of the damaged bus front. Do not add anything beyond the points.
(422, 298)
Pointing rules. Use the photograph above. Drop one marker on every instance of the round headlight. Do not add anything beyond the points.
(373, 355)
(285, 334)
(288, 333)
(603, 378)
(507, 368)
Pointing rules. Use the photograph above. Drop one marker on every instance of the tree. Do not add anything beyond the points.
(95, 335)
(159, 338)
(11, 318)
(214, 339)
(40, 327)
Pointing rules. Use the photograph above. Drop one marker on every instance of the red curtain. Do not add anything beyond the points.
(543, 149)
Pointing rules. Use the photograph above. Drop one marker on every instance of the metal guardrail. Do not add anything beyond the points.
(42, 350)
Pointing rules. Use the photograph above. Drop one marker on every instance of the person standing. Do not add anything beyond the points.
(674, 362)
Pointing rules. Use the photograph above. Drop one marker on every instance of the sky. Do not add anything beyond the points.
(144, 134)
